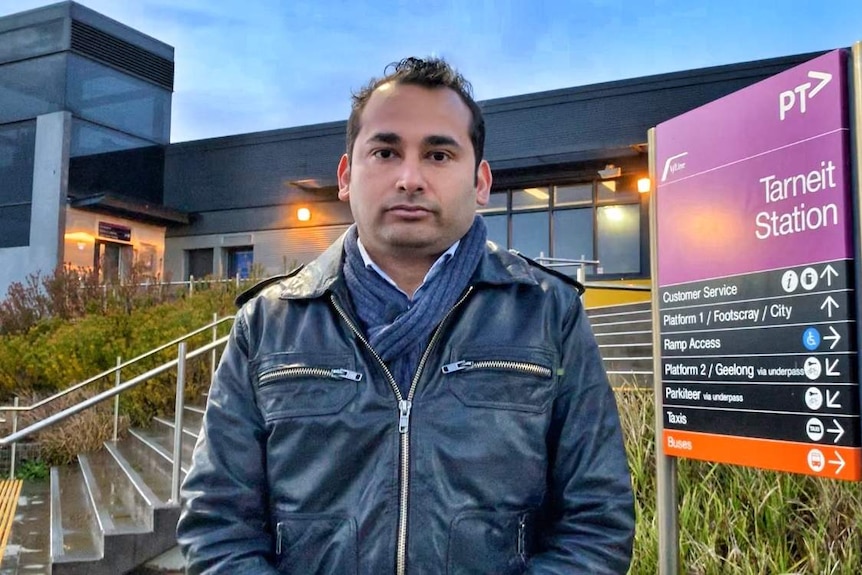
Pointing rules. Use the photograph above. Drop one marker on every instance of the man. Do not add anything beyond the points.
(416, 400)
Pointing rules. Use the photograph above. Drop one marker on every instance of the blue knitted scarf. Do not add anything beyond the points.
(397, 330)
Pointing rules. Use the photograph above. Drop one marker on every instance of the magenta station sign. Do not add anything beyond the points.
(755, 241)
(758, 179)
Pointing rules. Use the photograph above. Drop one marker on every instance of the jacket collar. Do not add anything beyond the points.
(497, 267)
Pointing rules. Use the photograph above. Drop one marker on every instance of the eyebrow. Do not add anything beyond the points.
(433, 140)
(385, 138)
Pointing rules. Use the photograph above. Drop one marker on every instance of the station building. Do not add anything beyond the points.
(89, 177)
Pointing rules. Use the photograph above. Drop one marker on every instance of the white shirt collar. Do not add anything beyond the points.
(434, 270)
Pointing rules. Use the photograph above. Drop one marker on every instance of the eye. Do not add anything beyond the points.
(383, 154)
(439, 156)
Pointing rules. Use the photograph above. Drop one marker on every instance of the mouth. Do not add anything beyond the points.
(409, 211)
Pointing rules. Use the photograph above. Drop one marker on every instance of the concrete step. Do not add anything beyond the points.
(152, 467)
(618, 351)
(75, 535)
(118, 506)
(611, 310)
(160, 438)
(623, 325)
(193, 417)
(624, 336)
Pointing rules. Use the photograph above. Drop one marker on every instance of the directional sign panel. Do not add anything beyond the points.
(756, 268)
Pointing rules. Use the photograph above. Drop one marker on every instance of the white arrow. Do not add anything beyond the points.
(830, 368)
(824, 78)
(839, 462)
(828, 272)
(837, 430)
(832, 400)
(835, 337)
(829, 302)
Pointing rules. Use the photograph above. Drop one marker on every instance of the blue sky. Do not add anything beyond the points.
(250, 65)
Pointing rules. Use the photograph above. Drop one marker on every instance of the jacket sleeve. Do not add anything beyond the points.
(590, 522)
(224, 523)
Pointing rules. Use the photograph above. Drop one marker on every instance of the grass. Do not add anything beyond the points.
(738, 520)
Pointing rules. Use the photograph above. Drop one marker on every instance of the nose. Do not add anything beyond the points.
(411, 178)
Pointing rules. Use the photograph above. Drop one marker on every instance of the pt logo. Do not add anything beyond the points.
(799, 96)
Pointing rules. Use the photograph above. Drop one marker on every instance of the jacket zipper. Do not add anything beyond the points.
(404, 407)
(278, 539)
(522, 366)
(522, 539)
(268, 376)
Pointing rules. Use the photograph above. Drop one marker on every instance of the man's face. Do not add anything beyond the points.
(412, 184)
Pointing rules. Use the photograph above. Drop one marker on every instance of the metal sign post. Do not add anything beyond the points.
(667, 510)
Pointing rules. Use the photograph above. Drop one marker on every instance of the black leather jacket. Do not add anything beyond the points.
(505, 457)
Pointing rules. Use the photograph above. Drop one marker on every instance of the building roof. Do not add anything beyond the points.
(528, 132)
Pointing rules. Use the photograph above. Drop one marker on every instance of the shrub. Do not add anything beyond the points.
(31, 469)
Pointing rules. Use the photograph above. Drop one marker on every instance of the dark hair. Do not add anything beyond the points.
(429, 73)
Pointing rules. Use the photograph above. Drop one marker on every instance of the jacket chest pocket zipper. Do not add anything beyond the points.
(496, 364)
(273, 375)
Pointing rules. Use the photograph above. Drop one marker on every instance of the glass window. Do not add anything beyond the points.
(15, 231)
(145, 257)
(530, 234)
(497, 201)
(498, 231)
(31, 88)
(530, 198)
(573, 238)
(89, 139)
(619, 239)
(583, 227)
(17, 154)
(118, 100)
(619, 190)
(239, 261)
(573, 195)
(200, 263)
(113, 261)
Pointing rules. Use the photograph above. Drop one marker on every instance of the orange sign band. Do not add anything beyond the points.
(822, 460)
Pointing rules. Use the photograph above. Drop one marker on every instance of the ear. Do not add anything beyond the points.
(344, 178)
(483, 183)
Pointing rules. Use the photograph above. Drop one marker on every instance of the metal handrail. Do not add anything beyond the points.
(564, 262)
(179, 363)
(107, 394)
(114, 369)
(617, 286)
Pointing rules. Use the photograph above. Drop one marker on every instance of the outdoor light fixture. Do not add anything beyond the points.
(610, 171)
(303, 214)
(644, 185)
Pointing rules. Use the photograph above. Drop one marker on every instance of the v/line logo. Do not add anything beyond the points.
(672, 165)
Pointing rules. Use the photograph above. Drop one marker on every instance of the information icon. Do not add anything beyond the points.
(812, 368)
(816, 461)
(811, 339)
(789, 281)
(814, 429)
(813, 398)
(808, 279)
